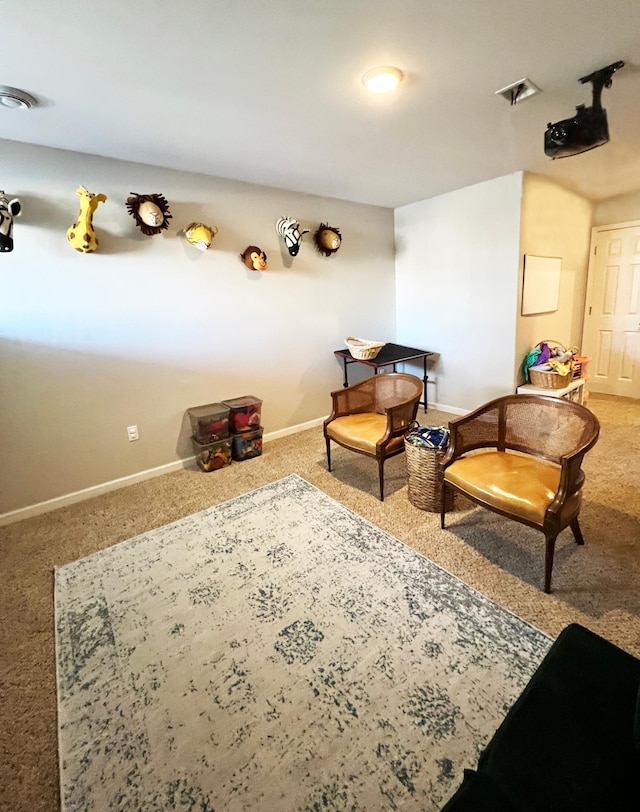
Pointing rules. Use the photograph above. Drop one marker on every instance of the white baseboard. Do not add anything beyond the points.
(310, 424)
(105, 487)
(442, 407)
(89, 493)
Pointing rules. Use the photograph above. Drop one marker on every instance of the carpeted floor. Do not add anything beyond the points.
(596, 585)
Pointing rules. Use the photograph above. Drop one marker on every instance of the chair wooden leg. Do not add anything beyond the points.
(328, 454)
(548, 562)
(381, 477)
(442, 508)
(577, 533)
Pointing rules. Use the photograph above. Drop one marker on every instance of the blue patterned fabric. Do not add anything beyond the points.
(428, 436)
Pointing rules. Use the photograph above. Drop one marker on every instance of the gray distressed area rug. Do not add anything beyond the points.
(276, 652)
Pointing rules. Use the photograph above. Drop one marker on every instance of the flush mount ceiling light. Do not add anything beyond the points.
(12, 97)
(382, 79)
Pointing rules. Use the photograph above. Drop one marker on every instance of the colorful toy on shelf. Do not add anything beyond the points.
(81, 235)
(254, 258)
(289, 230)
(199, 235)
(151, 212)
(327, 239)
(8, 210)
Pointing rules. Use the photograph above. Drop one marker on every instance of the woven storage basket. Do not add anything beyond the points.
(549, 380)
(425, 478)
(362, 349)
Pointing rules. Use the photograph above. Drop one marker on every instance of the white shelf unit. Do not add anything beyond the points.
(572, 391)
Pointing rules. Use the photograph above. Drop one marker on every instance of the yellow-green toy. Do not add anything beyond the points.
(81, 234)
(199, 235)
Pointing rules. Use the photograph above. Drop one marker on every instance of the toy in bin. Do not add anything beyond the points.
(247, 444)
(245, 413)
(212, 456)
(209, 423)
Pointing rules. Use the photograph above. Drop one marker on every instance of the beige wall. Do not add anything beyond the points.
(148, 326)
(622, 209)
(555, 223)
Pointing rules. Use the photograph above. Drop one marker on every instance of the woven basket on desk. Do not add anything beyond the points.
(425, 478)
(362, 349)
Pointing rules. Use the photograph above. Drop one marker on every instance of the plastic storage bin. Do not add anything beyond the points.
(209, 423)
(245, 412)
(212, 456)
(247, 444)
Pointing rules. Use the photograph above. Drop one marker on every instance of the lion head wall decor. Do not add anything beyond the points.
(327, 239)
(199, 235)
(254, 258)
(151, 212)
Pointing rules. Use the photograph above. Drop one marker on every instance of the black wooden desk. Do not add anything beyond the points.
(389, 355)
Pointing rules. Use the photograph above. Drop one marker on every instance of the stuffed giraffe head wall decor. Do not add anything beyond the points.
(81, 235)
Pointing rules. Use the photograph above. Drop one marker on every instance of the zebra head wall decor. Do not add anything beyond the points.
(8, 210)
(327, 239)
(289, 230)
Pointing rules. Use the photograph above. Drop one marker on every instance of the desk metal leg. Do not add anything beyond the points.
(424, 383)
(346, 379)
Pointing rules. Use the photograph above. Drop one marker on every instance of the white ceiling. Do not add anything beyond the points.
(270, 92)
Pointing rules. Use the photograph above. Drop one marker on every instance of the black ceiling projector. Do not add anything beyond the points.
(588, 128)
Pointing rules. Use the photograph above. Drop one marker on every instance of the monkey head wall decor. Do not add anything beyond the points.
(254, 258)
(199, 235)
(327, 239)
(8, 210)
(151, 212)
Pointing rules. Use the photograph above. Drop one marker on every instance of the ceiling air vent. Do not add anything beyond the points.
(519, 91)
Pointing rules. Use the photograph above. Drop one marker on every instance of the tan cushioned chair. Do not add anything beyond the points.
(371, 417)
(521, 456)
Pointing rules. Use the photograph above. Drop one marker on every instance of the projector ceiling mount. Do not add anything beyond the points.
(601, 78)
(589, 127)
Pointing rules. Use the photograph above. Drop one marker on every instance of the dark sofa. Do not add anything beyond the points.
(571, 741)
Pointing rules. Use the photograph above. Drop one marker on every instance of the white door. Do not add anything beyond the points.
(611, 335)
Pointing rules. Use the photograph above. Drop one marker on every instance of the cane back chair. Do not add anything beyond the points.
(521, 456)
(371, 417)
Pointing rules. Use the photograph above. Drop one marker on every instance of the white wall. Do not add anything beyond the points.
(148, 326)
(555, 223)
(456, 288)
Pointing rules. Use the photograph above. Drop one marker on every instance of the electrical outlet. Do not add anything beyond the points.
(132, 433)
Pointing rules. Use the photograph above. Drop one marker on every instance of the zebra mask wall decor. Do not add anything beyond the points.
(8, 210)
(289, 230)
